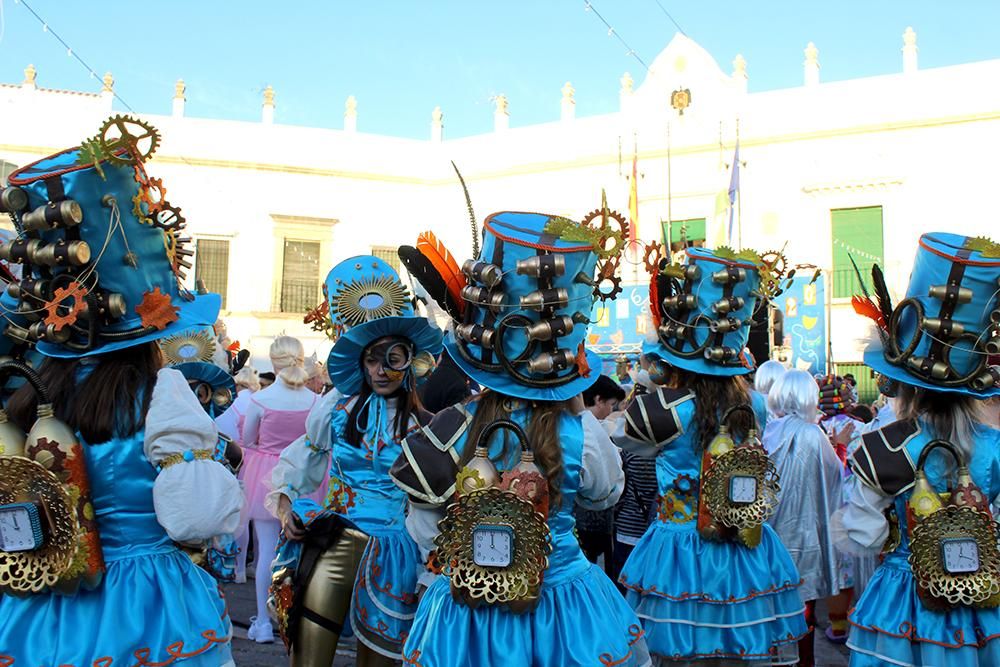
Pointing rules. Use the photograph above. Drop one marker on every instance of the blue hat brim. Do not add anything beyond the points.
(344, 362)
(505, 384)
(697, 364)
(875, 359)
(203, 311)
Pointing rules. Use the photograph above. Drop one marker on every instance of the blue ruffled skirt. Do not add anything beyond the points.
(384, 600)
(889, 625)
(582, 621)
(115, 624)
(701, 600)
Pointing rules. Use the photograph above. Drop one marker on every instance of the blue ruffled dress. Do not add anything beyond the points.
(889, 624)
(703, 600)
(581, 618)
(153, 607)
(362, 492)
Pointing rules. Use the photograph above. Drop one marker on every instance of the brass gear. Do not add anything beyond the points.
(137, 138)
(655, 248)
(607, 221)
(150, 199)
(74, 290)
(777, 262)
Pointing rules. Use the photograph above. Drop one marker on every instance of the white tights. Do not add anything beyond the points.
(266, 534)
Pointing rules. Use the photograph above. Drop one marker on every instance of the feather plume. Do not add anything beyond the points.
(861, 280)
(424, 273)
(472, 214)
(445, 264)
(863, 305)
(654, 299)
(882, 293)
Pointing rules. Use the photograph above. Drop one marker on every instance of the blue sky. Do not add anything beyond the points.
(401, 59)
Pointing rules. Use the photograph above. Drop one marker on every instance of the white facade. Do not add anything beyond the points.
(920, 143)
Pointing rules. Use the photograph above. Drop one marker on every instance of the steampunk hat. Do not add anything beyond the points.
(368, 301)
(703, 311)
(942, 334)
(101, 249)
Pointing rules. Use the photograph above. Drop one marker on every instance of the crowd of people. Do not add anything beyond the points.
(481, 495)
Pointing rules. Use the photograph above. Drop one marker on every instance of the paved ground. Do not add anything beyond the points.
(251, 654)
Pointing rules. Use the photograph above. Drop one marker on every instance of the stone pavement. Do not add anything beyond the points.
(250, 654)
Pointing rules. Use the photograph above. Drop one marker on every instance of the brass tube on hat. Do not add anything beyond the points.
(66, 213)
(951, 293)
(483, 296)
(720, 353)
(992, 345)
(36, 288)
(674, 330)
(13, 200)
(18, 333)
(28, 311)
(74, 253)
(685, 301)
(49, 332)
(483, 272)
(19, 250)
(729, 304)
(476, 334)
(725, 325)
(692, 272)
(556, 298)
(552, 361)
(732, 274)
(584, 279)
(549, 329)
(113, 305)
(542, 266)
(986, 380)
(942, 327)
(936, 369)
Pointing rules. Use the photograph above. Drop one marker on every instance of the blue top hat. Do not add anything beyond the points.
(102, 249)
(213, 386)
(705, 319)
(369, 301)
(527, 308)
(942, 334)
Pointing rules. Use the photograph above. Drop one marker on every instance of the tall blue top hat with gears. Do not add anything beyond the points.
(703, 311)
(368, 301)
(527, 303)
(943, 333)
(102, 249)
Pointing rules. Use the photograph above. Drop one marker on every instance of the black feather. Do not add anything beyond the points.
(882, 293)
(424, 273)
(861, 280)
(472, 214)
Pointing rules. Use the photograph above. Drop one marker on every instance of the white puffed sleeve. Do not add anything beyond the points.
(601, 476)
(860, 527)
(195, 497)
(303, 465)
(422, 525)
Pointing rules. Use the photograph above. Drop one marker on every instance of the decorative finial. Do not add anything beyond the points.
(437, 116)
(179, 89)
(109, 83)
(351, 106)
(269, 96)
(909, 37)
(739, 65)
(812, 54)
(501, 102)
(29, 75)
(568, 91)
(910, 51)
(626, 82)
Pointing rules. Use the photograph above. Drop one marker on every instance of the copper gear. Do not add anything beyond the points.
(137, 138)
(74, 290)
(607, 227)
(608, 267)
(655, 249)
(168, 217)
(616, 288)
(778, 263)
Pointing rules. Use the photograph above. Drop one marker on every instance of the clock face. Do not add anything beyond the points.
(960, 555)
(17, 531)
(493, 546)
(742, 489)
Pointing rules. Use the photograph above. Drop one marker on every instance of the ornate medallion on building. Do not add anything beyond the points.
(680, 99)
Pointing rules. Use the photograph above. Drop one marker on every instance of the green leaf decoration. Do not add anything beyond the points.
(91, 153)
(984, 246)
(573, 232)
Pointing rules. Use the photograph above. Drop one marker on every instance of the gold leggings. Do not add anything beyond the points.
(328, 594)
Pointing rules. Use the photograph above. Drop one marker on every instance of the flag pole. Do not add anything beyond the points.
(670, 215)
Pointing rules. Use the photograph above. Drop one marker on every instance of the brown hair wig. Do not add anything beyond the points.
(714, 395)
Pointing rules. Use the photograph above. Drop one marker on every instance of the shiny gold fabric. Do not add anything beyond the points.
(328, 594)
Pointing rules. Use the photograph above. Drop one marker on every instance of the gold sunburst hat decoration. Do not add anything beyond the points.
(188, 346)
(368, 299)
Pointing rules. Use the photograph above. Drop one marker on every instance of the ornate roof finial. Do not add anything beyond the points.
(109, 83)
(29, 75)
(567, 91)
(739, 65)
(437, 116)
(179, 89)
(626, 82)
(909, 37)
(812, 54)
(269, 96)
(351, 106)
(501, 102)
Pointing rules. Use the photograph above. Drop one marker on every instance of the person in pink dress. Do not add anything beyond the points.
(230, 423)
(275, 417)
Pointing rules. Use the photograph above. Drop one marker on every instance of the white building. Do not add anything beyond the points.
(864, 165)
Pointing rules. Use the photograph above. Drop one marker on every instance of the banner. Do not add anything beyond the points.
(619, 326)
(803, 306)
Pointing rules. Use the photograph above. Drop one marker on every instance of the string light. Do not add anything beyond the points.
(676, 24)
(629, 51)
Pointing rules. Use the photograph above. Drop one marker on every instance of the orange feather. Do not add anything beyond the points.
(444, 263)
(864, 305)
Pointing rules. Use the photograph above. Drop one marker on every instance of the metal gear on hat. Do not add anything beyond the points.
(74, 290)
(368, 299)
(616, 288)
(136, 138)
(652, 263)
(608, 220)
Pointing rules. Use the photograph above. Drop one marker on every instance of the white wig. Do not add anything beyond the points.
(767, 375)
(795, 393)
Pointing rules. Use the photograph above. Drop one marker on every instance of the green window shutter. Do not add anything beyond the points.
(695, 230)
(857, 233)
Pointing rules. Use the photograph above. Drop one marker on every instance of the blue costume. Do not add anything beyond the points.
(575, 616)
(700, 599)
(150, 489)
(954, 281)
(373, 563)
